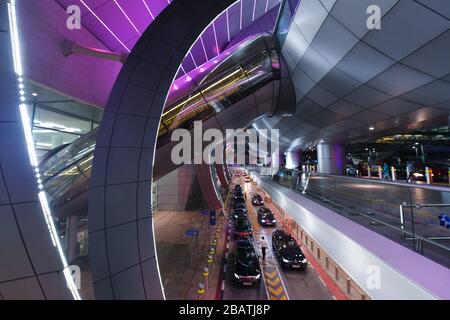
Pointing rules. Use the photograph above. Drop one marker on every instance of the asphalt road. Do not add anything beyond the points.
(277, 283)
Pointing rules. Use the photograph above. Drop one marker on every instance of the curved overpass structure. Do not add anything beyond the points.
(245, 79)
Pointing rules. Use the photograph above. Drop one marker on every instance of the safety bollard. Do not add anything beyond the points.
(394, 173)
(206, 278)
(369, 174)
(200, 291)
(212, 251)
(448, 175)
(429, 175)
(210, 261)
(380, 173)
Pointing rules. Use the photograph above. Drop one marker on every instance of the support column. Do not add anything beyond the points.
(72, 230)
(277, 160)
(293, 159)
(330, 159)
(221, 174)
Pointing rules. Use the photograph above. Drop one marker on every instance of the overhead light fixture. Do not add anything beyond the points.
(34, 94)
(371, 128)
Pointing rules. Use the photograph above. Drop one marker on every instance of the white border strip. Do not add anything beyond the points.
(18, 69)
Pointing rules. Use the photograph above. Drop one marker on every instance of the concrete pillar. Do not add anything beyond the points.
(330, 159)
(293, 159)
(72, 231)
(277, 160)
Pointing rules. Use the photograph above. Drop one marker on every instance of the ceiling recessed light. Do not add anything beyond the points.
(371, 128)
(34, 94)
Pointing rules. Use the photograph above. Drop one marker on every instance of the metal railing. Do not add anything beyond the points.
(346, 284)
(375, 205)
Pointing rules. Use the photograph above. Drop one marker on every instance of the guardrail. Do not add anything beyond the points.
(360, 252)
(342, 279)
(380, 207)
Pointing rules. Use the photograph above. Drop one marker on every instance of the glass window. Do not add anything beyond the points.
(46, 139)
(60, 122)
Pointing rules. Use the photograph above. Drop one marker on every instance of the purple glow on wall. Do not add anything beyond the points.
(104, 24)
(119, 23)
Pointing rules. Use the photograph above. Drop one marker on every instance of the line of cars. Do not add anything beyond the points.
(247, 268)
(285, 247)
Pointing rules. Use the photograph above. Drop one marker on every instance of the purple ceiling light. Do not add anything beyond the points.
(148, 9)
(104, 24)
(127, 17)
(119, 23)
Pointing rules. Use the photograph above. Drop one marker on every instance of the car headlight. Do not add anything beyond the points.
(258, 276)
(285, 260)
(236, 276)
(304, 261)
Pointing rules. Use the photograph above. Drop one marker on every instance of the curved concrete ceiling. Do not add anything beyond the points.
(120, 23)
(349, 78)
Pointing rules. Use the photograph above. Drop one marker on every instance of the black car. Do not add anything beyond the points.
(239, 199)
(245, 243)
(238, 194)
(239, 205)
(247, 271)
(288, 251)
(257, 200)
(242, 227)
(266, 217)
(240, 210)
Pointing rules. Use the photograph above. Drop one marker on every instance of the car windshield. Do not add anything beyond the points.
(246, 254)
(243, 223)
(291, 244)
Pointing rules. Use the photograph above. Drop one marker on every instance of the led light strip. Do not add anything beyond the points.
(204, 49)
(254, 10)
(240, 20)
(193, 60)
(228, 25)
(106, 27)
(18, 68)
(127, 17)
(148, 9)
(267, 6)
(215, 37)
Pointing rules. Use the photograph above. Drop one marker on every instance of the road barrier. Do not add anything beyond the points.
(201, 291)
(429, 175)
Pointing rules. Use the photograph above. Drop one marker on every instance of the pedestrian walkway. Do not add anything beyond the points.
(182, 259)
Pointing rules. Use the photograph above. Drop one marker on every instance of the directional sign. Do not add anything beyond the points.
(212, 217)
(192, 232)
(444, 220)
